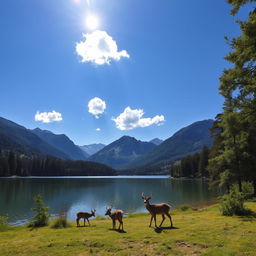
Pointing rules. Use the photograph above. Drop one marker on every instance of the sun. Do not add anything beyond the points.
(92, 22)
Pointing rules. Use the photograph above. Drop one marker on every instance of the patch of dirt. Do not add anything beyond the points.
(190, 249)
(143, 247)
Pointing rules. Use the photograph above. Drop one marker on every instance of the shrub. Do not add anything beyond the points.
(232, 203)
(61, 222)
(4, 223)
(248, 190)
(41, 217)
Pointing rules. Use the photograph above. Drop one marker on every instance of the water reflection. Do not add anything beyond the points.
(70, 195)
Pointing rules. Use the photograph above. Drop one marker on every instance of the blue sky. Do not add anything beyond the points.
(170, 65)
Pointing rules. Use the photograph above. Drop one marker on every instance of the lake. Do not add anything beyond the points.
(70, 195)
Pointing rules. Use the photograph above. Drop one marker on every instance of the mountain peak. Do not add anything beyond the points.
(62, 142)
(186, 141)
(156, 141)
(120, 152)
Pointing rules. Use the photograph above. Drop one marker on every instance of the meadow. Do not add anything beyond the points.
(199, 231)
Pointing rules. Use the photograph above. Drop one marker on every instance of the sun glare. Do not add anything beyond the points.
(92, 22)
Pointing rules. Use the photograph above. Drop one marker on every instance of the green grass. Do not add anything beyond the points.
(200, 232)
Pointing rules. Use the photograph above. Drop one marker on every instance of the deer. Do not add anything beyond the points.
(84, 215)
(155, 209)
(115, 215)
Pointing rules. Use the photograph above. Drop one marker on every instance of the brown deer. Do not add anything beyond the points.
(116, 215)
(84, 215)
(155, 209)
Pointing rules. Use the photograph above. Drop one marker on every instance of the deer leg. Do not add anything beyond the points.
(84, 222)
(77, 222)
(121, 224)
(88, 222)
(170, 217)
(114, 224)
(151, 220)
(162, 220)
(155, 220)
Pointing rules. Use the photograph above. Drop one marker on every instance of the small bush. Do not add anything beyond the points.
(232, 203)
(185, 207)
(40, 219)
(4, 223)
(248, 190)
(61, 222)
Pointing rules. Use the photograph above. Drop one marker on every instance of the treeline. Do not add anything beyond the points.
(149, 170)
(12, 164)
(192, 166)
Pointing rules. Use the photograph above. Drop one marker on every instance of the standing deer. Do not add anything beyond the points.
(84, 215)
(116, 215)
(155, 209)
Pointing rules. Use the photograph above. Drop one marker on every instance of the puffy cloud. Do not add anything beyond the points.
(133, 118)
(96, 106)
(98, 129)
(48, 117)
(100, 48)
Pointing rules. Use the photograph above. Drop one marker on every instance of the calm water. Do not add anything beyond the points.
(72, 194)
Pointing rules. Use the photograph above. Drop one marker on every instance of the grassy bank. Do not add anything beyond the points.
(195, 232)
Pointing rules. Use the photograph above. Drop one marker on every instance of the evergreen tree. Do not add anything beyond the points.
(234, 150)
(19, 168)
(203, 162)
(12, 163)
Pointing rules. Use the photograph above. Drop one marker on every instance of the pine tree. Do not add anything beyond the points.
(234, 151)
(203, 162)
(12, 163)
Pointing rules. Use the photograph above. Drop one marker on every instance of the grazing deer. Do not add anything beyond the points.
(116, 215)
(155, 209)
(84, 215)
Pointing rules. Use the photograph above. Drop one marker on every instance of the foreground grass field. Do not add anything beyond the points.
(196, 232)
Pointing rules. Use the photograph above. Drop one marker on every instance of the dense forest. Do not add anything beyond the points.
(192, 166)
(12, 164)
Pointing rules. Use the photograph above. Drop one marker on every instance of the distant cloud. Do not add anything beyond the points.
(96, 106)
(132, 118)
(98, 129)
(48, 117)
(99, 48)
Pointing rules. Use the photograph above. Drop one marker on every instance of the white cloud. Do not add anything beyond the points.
(98, 129)
(133, 118)
(48, 117)
(100, 48)
(96, 106)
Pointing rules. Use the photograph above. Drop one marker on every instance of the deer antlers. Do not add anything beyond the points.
(144, 197)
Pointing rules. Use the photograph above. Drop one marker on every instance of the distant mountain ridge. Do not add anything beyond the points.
(92, 148)
(156, 141)
(16, 137)
(121, 152)
(62, 143)
(124, 153)
(186, 141)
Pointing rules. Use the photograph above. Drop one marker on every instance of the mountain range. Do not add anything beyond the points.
(124, 153)
(62, 143)
(20, 139)
(186, 141)
(121, 152)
